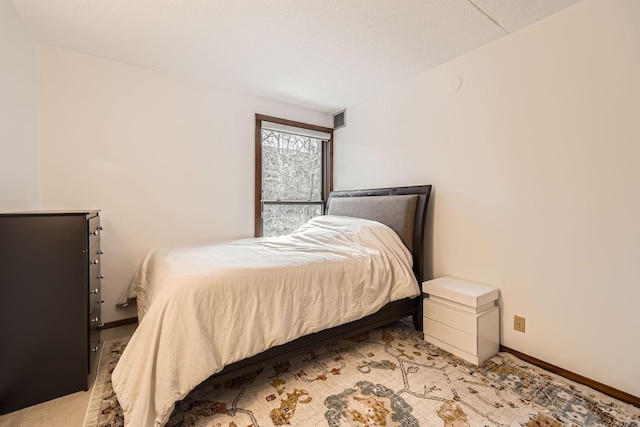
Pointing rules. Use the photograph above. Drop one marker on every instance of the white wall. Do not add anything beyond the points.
(18, 114)
(535, 162)
(168, 161)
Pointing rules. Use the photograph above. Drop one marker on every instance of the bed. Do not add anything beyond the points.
(359, 267)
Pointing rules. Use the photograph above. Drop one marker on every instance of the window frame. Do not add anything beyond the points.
(327, 167)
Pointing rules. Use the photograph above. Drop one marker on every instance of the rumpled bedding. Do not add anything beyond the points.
(202, 308)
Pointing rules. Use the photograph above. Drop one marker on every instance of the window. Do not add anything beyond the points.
(293, 174)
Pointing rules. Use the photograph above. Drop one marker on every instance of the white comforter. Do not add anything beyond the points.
(202, 308)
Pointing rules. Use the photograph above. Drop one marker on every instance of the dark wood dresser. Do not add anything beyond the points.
(50, 301)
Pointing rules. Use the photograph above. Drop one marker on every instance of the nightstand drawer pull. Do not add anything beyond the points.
(94, 349)
(101, 276)
(96, 320)
(95, 291)
(100, 253)
(100, 301)
(95, 232)
(100, 325)
(95, 261)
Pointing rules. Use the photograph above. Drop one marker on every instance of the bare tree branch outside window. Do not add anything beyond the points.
(291, 172)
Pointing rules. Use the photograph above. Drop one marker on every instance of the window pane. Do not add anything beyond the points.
(291, 167)
(285, 219)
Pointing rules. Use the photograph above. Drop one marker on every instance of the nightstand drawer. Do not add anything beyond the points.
(463, 321)
(452, 336)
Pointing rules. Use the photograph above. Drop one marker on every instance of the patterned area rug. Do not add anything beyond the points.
(387, 377)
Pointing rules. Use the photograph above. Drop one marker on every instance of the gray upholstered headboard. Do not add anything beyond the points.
(396, 212)
(403, 209)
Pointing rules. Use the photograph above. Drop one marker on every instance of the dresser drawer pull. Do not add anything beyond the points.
(101, 276)
(95, 232)
(100, 325)
(100, 253)
(94, 349)
(96, 320)
(100, 227)
(95, 291)
(95, 261)
(100, 301)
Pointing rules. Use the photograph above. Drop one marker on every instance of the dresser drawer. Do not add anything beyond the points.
(95, 292)
(94, 256)
(95, 274)
(95, 324)
(94, 230)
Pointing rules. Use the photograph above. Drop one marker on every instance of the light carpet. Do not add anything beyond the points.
(386, 377)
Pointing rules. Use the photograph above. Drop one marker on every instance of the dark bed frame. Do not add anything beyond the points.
(391, 312)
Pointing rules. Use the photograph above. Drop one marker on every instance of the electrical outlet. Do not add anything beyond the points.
(518, 323)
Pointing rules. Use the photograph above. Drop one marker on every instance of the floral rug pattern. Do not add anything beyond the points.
(386, 377)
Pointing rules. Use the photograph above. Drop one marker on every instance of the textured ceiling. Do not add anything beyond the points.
(323, 54)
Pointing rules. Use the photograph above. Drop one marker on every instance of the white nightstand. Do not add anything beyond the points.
(462, 318)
